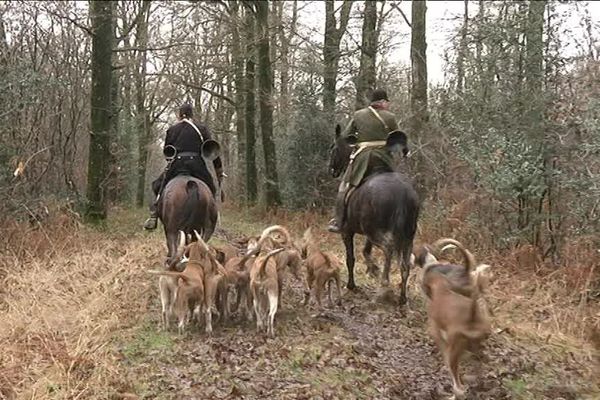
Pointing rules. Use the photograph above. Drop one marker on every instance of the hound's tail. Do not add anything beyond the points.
(279, 229)
(446, 243)
(261, 270)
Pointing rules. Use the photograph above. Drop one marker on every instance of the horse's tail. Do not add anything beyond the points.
(411, 223)
(190, 210)
(405, 229)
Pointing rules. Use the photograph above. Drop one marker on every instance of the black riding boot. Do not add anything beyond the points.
(336, 224)
(151, 222)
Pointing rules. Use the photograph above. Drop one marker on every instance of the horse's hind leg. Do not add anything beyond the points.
(349, 243)
(386, 293)
(405, 260)
(372, 268)
(171, 243)
(385, 276)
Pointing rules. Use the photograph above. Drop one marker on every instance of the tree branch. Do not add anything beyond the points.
(136, 20)
(165, 47)
(78, 24)
(204, 89)
(345, 15)
(397, 7)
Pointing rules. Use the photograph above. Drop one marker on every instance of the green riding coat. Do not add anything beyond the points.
(366, 127)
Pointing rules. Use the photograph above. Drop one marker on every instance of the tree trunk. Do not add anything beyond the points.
(367, 73)
(460, 62)
(534, 71)
(115, 161)
(142, 116)
(285, 74)
(99, 147)
(238, 66)
(127, 137)
(479, 41)
(3, 43)
(265, 93)
(331, 54)
(285, 62)
(534, 79)
(251, 185)
(274, 23)
(418, 58)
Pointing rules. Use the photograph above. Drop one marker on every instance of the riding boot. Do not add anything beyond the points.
(336, 224)
(151, 222)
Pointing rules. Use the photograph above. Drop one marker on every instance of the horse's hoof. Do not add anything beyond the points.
(333, 228)
(386, 295)
(150, 224)
(402, 301)
(351, 286)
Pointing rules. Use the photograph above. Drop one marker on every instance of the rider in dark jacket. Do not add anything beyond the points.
(186, 137)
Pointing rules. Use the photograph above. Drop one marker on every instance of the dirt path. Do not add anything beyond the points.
(362, 350)
(80, 320)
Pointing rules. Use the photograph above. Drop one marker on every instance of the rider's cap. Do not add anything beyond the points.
(186, 110)
(379, 94)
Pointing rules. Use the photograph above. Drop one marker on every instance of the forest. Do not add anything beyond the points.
(499, 102)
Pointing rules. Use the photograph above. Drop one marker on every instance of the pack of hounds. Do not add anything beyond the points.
(202, 280)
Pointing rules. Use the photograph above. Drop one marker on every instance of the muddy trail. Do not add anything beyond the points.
(80, 320)
(360, 350)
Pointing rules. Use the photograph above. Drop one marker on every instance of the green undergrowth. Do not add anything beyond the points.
(147, 340)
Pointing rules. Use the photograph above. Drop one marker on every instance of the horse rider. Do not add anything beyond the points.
(368, 131)
(185, 138)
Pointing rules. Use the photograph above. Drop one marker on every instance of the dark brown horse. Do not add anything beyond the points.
(384, 208)
(187, 204)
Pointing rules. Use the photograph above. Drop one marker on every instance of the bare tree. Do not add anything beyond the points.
(99, 149)
(265, 92)
(460, 60)
(418, 58)
(534, 79)
(143, 117)
(368, 53)
(250, 105)
(238, 83)
(331, 52)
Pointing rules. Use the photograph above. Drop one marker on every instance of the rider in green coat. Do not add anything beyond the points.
(368, 131)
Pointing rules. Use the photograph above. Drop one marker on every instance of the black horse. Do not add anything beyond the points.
(384, 208)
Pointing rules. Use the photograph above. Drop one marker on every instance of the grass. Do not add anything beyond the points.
(66, 294)
(71, 302)
(147, 340)
(518, 388)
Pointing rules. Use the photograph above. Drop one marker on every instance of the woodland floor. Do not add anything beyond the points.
(109, 344)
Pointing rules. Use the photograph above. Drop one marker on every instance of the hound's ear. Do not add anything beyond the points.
(338, 130)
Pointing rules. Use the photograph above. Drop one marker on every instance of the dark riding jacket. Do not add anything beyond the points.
(188, 143)
(184, 138)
